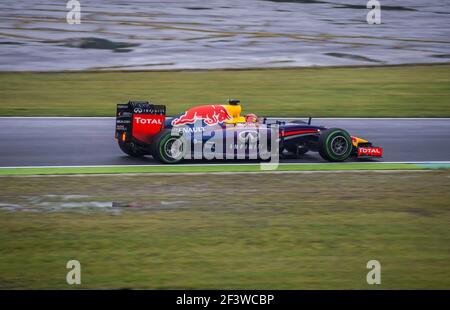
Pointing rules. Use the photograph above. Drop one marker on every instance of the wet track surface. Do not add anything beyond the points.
(194, 34)
(90, 141)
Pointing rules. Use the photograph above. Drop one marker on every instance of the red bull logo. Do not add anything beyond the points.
(210, 114)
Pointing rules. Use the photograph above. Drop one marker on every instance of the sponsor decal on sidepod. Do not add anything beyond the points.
(210, 114)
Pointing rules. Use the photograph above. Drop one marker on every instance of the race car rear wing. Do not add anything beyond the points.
(139, 121)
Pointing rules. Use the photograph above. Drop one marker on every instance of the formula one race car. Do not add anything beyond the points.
(219, 131)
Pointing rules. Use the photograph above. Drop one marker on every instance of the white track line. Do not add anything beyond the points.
(231, 164)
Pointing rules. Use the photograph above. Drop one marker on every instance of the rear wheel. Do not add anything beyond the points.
(335, 144)
(130, 148)
(168, 148)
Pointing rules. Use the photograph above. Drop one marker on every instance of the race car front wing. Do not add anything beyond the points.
(369, 151)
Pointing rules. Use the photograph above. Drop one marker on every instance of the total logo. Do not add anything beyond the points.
(148, 121)
(370, 151)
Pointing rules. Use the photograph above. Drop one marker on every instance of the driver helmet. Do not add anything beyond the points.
(251, 118)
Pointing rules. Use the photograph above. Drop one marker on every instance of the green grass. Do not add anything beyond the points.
(215, 168)
(405, 91)
(282, 232)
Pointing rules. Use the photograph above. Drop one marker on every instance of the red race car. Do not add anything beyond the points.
(142, 129)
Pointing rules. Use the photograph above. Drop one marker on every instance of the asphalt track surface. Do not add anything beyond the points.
(90, 141)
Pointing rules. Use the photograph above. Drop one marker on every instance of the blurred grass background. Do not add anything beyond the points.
(403, 91)
(296, 231)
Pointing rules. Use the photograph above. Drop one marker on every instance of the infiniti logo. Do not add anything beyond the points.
(251, 136)
(137, 110)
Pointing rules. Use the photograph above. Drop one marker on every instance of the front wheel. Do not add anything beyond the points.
(335, 144)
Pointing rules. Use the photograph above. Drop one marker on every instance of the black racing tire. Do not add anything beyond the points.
(335, 144)
(161, 147)
(130, 149)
